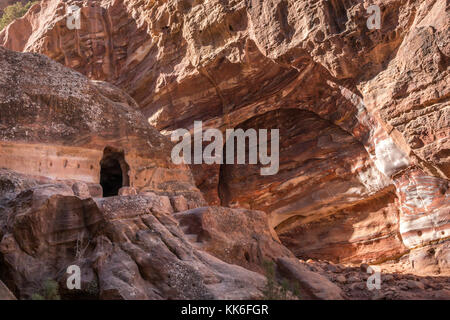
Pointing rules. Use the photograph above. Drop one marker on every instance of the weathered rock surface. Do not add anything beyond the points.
(431, 259)
(367, 231)
(57, 124)
(134, 247)
(128, 247)
(311, 284)
(398, 281)
(363, 115)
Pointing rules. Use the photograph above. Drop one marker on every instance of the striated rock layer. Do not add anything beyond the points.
(62, 128)
(363, 114)
(151, 240)
(127, 246)
(5, 294)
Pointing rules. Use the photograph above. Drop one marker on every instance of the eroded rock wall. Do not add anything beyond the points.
(370, 106)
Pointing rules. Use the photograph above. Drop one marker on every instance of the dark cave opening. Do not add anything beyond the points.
(113, 172)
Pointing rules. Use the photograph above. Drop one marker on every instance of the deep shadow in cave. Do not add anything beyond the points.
(113, 172)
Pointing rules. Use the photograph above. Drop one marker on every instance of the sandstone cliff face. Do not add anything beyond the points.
(142, 243)
(127, 246)
(363, 114)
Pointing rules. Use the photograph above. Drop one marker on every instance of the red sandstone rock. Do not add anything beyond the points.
(127, 246)
(180, 203)
(237, 236)
(81, 190)
(127, 191)
(363, 114)
(5, 294)
(63, 128)
(311, 284)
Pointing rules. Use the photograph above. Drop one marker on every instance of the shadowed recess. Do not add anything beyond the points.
(113, 173)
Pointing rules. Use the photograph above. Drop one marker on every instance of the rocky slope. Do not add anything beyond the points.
(5, 3)
(363, 114)
(5, 294)
(152, 240)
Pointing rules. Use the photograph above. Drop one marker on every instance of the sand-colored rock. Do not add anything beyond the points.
(363, 113)
(368, 231)
(128, 247)
(236, 236)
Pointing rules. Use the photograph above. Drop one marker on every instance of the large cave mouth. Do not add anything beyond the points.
(113, 172)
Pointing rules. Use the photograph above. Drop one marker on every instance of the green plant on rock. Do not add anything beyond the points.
(14, 11)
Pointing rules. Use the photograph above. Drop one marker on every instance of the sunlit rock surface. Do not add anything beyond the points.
(363, 114)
